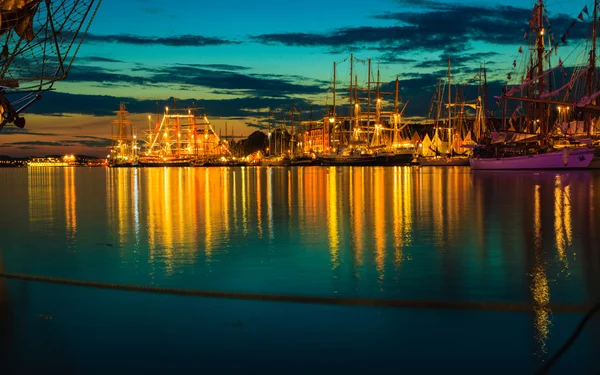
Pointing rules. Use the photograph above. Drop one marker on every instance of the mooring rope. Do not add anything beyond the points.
(321, 300)
(589, 311)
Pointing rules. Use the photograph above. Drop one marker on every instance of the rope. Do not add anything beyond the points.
(344, 301)
(567, 344)
(369, 302)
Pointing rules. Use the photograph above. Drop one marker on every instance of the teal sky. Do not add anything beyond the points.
(236, 59)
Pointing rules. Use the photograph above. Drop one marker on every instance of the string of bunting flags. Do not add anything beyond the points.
(534, 20)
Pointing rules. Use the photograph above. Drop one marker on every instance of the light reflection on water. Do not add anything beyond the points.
(396, 232)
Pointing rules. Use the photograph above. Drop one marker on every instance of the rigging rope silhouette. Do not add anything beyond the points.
(39, 40)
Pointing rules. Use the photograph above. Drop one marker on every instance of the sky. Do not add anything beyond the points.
(238, 60)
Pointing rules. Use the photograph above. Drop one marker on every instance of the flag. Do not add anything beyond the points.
(580, 16)
(559, 61)
(585, 10)
(515, 63)
(508, 76)
(520, 49)
(563, 39)
(525, 36)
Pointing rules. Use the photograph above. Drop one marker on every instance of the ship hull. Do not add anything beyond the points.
(444, 162)
(565, 159)
(164, 163)
(348, 160)
(395, 159)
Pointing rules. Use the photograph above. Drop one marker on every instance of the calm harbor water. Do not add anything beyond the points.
(375, 232)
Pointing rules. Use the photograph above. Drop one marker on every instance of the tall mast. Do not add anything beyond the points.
(540, 64)
(369, 94)
(396, 119)
(356, 103)
(378, 97)
(351, 90)
(269, 133)
(334, 79)
(333, 115)
(592, 67)
(449, 111)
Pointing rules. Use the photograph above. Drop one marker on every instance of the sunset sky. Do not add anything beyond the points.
(236, 59)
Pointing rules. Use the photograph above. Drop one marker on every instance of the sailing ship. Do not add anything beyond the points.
(455, 150)
(182, 138)
(530, 142)
(365, 136)
(123, 151)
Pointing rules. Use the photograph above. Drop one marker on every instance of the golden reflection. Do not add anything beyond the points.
(136, 205)
(539, 288)
(357, 211)
(269, 172)
(225, 201)
(70, 202)
(402, 212)
(245, 201)
(258, 195)
(562, 220)
(290, 196)
(332, 218)
(379, 212)
(40, 186)
(171, 201)
(208, 230)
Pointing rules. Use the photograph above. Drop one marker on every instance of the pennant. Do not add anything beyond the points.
(508, 76)
(585, 10)
(580, 16)
(520, 49)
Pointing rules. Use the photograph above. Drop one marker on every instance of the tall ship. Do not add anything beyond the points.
(545, 126)
(369, 134)
(181, 137)
(123, 151)
(452, 137)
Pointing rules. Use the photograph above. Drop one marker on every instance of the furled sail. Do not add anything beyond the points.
(18, 15)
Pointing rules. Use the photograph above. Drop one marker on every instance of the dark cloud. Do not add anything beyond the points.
(172, 41)
(459, 60)
(219, 66)
(437, 26)
(94, 142)
(99, 105)
(13, 130)
(32, 143)
(83, 73)
(98, 59)
(194, 76)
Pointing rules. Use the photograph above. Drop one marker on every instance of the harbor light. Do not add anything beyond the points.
(332, 120)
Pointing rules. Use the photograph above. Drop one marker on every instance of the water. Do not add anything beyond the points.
(375, 232)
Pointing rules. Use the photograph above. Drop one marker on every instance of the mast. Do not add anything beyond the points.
(334, 79)
(540, 65)
(332, 119)
(396, 112)
(379, 97)
(269, 133)
(485, 97)
(351, 97)
(369, 95)
(592, 67)
(449, 111)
